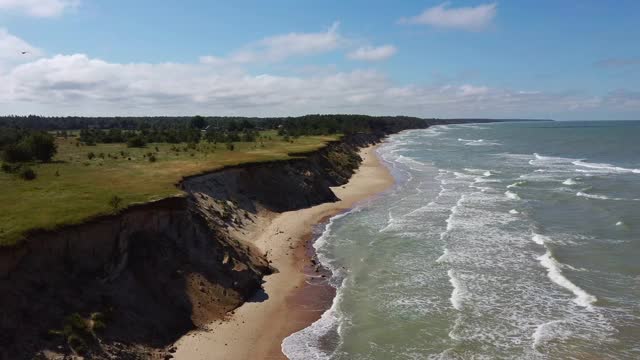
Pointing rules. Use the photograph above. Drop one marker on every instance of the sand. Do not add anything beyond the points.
(256, 329)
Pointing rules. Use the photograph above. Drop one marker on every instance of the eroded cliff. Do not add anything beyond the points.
(129, 284)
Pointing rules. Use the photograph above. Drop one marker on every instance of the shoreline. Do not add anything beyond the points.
(288, 303)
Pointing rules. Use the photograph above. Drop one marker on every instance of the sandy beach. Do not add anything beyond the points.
(288, 304)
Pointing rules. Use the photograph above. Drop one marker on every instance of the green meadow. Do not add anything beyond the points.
(76, 186)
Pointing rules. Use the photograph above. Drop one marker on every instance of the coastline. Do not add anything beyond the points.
(288, 304)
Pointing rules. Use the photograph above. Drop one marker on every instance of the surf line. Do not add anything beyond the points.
(554, 273)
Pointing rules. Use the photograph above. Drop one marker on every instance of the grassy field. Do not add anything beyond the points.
(73, 188)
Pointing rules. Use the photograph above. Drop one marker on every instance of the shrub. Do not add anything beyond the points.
(9, 169)
(91, 155)
(115, 202)
(136, 141)
(77, 343)
(77, 323)
(28, 174)
(230, 146)
(152, 158)
(17, 153)
(98, 320)
(42, 146)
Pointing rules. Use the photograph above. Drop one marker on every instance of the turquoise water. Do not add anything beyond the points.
(499, 241)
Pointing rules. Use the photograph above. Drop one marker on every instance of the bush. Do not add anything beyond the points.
(99, 321)
(17, 153)
(42, 145)
(152, 158)
(230, 146)
(91, 155)
(77, 343)
(115, 202)
(28, 174)
(11, 168)
(136, 141)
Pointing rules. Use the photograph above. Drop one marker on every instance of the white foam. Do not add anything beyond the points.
(407, 160)
(544, 332)
(479, 142)
(554, 273)
(549, 160)
(569, 181)
(511, 195)
(305, 344)
(475, 171)
(619, 223)
(516, 184)
(444, 256)
(456, 296)
(514, 212)
(459, 175)
(592, 196)
(482, 179)
(452, 214)
(605, 167)
(602, 197)
(540, 239)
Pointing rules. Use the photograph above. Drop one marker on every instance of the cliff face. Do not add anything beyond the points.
(155, 271)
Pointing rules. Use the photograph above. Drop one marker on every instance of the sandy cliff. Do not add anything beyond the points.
(155, 271)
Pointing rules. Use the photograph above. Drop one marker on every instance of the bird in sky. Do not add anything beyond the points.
(24, 52)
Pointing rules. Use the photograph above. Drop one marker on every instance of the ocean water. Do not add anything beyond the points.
(499, 241)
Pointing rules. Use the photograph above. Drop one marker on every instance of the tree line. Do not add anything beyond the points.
(169, 128)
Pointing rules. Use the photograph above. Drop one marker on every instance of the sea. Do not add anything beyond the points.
(517, 240)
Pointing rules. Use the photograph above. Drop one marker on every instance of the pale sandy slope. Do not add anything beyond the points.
(256, 329)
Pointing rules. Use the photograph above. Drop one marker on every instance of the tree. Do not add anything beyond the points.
(37, 145)
(249, 136)
(198, 122)
(136, 141)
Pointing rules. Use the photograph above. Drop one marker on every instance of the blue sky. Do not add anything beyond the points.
(559, 59)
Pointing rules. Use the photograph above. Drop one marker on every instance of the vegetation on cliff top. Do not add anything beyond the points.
(82, 180)
(83, 167)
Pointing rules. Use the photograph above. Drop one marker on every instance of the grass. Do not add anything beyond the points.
(73, 188)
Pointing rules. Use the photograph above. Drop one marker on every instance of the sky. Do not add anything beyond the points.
(565, 60)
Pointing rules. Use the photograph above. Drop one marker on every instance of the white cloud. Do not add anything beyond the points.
(38, 8)
(80, 85)
(473, 18)
(280, 47)
(370, 53)
(470, 90)
(15, 50)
